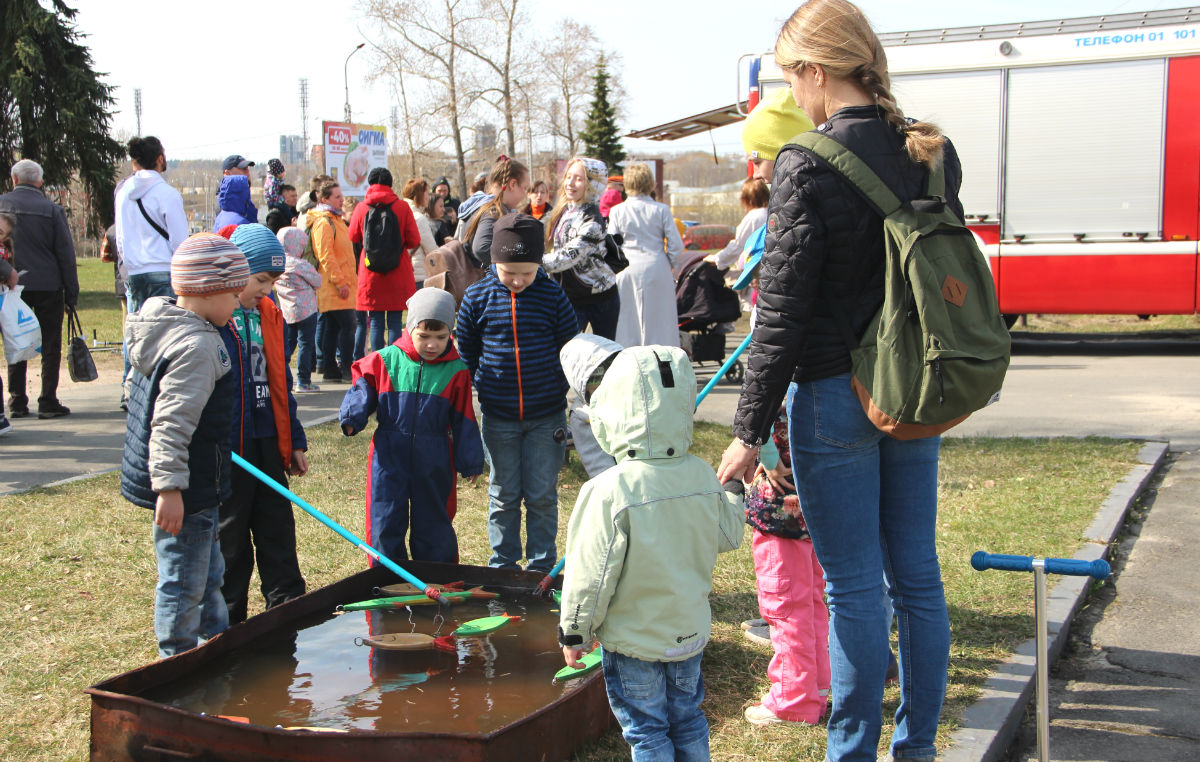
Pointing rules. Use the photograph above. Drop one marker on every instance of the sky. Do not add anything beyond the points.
(222, 77)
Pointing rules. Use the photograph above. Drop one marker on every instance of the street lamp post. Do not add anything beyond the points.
(346, 77)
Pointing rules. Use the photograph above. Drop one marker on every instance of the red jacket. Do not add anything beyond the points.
(391, 290)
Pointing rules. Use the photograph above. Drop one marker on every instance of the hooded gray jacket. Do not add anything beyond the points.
(180, 412)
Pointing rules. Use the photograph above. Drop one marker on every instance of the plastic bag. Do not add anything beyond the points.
(19, 327)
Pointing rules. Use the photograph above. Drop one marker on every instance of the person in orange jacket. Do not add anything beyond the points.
(255, 522)
(337, 296)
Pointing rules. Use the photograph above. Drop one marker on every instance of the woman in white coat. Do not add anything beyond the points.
(647, 287)
(416, 193)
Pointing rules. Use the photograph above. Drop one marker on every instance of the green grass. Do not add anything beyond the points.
(99, 306)
(77, 564)
(1107, 323)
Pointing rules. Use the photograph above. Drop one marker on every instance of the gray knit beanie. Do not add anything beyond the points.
(431, 304)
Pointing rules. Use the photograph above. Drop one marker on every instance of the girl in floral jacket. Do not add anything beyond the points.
(790, 592)
(297, 293)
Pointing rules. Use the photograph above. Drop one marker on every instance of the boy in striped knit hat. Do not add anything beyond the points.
(511, 326)
(176, 460)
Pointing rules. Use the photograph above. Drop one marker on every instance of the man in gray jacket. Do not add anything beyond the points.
(44, 253)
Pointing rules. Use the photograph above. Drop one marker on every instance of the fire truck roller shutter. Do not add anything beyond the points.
(1084, 151)
(967, 106)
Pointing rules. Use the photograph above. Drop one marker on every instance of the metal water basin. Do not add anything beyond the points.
(126, 725)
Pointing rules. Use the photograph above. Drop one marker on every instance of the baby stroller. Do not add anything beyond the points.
(704, 304)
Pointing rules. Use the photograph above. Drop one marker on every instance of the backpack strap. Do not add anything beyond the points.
(153, 224)
(936, 186)
(867, 183)
(846, 163)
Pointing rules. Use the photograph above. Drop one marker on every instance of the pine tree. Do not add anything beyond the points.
(53, 107)
(600, 135)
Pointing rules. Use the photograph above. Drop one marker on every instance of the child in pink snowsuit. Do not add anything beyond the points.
(790, 593)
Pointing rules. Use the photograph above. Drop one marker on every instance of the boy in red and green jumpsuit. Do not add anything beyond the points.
(420, 393)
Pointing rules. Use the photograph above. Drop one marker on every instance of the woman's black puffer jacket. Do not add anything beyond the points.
(824, 261)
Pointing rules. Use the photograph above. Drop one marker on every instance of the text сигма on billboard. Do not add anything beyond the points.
(351, 152)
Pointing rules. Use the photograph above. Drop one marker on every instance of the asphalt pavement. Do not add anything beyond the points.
(89, 440)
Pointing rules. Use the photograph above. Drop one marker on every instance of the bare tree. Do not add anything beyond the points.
(495, 42)
(416, 28)
(393, 66)
(570, 60)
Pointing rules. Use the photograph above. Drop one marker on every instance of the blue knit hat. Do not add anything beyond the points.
(262, 249)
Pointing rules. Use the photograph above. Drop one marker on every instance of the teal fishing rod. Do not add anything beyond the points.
(548, 580)
(724, 368)
(430, 592)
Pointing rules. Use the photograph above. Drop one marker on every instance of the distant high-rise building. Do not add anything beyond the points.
(292, 150)
(485, 137)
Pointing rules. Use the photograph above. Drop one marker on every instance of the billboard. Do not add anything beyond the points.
(351, 152)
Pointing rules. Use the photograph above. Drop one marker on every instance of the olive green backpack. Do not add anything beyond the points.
(938, 348)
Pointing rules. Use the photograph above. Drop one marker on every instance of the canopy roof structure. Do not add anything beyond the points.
(707, 120)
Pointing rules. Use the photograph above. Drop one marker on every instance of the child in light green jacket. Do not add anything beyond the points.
(641, 546)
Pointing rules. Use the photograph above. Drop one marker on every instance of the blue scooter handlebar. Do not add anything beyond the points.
(982, 561)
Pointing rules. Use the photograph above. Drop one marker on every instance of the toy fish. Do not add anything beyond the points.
(407, 588)
(477, 627)
(407, 641)
(401, 601)
(589, 661)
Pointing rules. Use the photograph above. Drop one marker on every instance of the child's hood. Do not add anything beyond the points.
(582, 355)
(234, 193)
(644, 406)
(160, 325)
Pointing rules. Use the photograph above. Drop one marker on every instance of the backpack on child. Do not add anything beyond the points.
(310, 254)
(382, 245)
(938, 348)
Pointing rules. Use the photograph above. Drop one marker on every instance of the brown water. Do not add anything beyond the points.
(315, 675)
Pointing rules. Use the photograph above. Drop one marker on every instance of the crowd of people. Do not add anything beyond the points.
(842, 515)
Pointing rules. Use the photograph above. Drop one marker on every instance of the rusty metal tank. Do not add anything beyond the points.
(128, 725)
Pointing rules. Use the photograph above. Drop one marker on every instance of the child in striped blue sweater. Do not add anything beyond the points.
(511, 326)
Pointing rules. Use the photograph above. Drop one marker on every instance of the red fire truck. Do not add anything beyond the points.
(1080, 146)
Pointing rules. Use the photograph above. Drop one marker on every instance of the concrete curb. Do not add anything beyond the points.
(989, 725)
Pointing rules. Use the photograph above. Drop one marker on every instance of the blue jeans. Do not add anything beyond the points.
(524, 458)
(395, 324)
(302, 334)
(187, 601)
(360, 336)
(658, 706)
(139, 288)
(870, 502)
(322, 325)
(338, 342)
(602, 315)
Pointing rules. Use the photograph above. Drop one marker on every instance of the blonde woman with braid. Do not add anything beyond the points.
(870, 501)
(575, 248)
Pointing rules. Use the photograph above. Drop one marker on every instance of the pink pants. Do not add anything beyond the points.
(790, 597)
